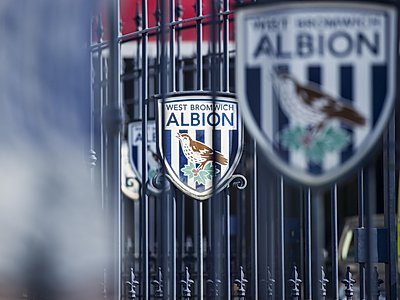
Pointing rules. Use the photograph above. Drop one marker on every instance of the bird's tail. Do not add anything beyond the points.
(352, 116)
(219, 158)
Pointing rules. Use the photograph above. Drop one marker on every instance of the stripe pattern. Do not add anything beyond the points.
(345, 81)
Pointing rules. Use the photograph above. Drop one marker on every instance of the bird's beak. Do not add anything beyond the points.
(178, 135)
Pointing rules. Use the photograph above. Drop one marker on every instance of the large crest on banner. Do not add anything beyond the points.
(316, 83)
(135, 150)
(200, 141)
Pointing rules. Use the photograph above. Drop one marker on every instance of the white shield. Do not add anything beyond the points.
(316, 83)
(187, 125)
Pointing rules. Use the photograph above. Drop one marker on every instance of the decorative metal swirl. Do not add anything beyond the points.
(159, 184)
(186, 283)
(296, 283)
(158, 283)
(130, 181)
(132, 284)
(238, 181)
(241, 284)
(348, 281)
(323, 282)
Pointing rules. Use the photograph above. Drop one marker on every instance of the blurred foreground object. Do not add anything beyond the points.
(51, 226)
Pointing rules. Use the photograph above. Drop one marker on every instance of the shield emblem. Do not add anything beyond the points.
(316, 83)
(129, 185)
(135, 149)
(201, 141)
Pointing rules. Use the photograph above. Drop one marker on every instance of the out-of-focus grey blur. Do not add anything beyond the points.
(51, 235)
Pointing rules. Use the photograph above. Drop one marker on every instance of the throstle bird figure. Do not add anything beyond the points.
(198, 153)
(309, 105)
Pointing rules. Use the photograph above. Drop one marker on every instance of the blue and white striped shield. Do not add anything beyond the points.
(136, 144)
(316, 83)
(201, 141)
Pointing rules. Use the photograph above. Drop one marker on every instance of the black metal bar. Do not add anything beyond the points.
(200, 251)
(370, 201)
(145, 288)
(172, 73)
(361, 224)
(389, 161)
(228, 245)
(199, 39)
(281, 235)
(334, 231)
(225, 67)
(254, 222)
(199, 205)
(307, 246)
(318, 237)
(112, 118)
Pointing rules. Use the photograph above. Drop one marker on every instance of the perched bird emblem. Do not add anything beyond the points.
(308, 105)
(198, 153)
(311, 112)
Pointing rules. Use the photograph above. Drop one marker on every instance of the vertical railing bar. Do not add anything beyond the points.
(145, 200)
(254, 241)
(172, 62)
(169, 254)
(199, 205)
(334, 231)
(307, 245)
(369, 211)
(172, 78)
(281, 222)
(361, 224)
(199, 39)
(179, 85)
(200, 251)
(113, 133)
(173, 248)
(228, 245)
(225, 67)
(389, 177)
(318, 238)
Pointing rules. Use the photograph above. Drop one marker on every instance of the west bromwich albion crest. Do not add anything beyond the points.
(317, 83)
(135, 148)
(186, 127)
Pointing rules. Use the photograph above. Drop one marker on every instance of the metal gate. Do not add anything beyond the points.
(259, 238)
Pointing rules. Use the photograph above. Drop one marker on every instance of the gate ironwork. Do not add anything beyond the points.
(260, 237)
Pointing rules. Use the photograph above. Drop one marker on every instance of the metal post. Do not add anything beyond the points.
(334, 230)
(281, 234)
(307, 245)
(389, 177)
(113, 120)
(145, 288)
(254, 222)
(361, 224)
(228, 244)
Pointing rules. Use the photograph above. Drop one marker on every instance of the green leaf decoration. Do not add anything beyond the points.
(201, 176)
(188, 170)
(290, 137)
(314, 144)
